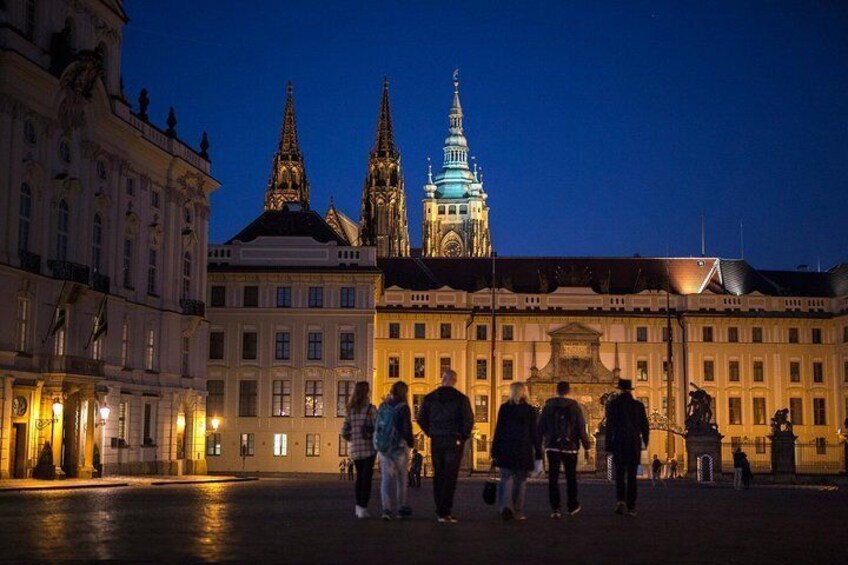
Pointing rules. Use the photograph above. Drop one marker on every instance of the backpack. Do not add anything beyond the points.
(563, 429)
(385, 430)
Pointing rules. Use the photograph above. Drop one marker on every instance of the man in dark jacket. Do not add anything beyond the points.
(626, 433)
(446, 417)
(563, 430)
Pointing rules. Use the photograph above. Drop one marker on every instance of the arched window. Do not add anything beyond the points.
(62, 231)
(24, 217)
(186, 275)
(97, 244)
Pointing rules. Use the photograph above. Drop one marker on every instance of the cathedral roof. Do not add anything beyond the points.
(342, 225)
(288, 222)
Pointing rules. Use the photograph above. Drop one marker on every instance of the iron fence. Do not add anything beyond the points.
(819, 458)
(757, 452)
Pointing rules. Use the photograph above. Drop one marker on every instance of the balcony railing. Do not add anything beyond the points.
(193, 307)
(73, 365)
(100, 283)
(68, 271)
(30, 261)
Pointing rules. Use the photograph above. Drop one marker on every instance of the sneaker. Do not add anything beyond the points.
(556, 515)
(362, 512)
(575, 510)
(620, 508)
(506, 514)
(404, 511)
(631, 512)
(387, 516)
(449, 519)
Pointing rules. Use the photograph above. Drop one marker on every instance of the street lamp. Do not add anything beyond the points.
(215, 424)
(44, 422)
(104, 414)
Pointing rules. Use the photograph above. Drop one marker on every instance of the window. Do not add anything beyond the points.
(845, 371)
(314, 399)
(757, 334)
(394, 367)
(316, 297)
(444, 365)
(793, 335)
(150, 357)
(845, 334)
(124, 421)
(821, 446)
(507, 370)
(709, 370)
(213, 445)
(247, 398)
(794, 372)
(482, 332)
(481, 408)
(151, 271)
(148, 425)
(248, 445)
(63, 220)
(343, 395)
(248, 345)
(282, 346)
(215, 398)
(733, 334)
(445, 331)
(507, 332)
(97, 348)
(250, 297)
(733, 371)
(394, 330)
(665, 370)
(216, 345)
(23, 324)
(419, 368)
(186, 290)
(218, 296)
(417, 401)
(482, 444)
(346, 346)
(343, 447)
(314, 346)
(130, 188)
(735, 442)
(796, 411)
(645, 402)
(759, 373)
(707, 333)
(30, 19)
(642, 370)
(664, 405)
(281, 399)
(818, 372)
(482, 370)
(97, 244)
(348, 297)
(759, 411)
(642, 333)
(24, 217)
(759, 444)
(283, 297)
(125, 344)
(665, 334)
(186, 356)
(819, 412)
(734, 411)
(313, 445)
(281, 445)
(816, 335)
(127, 267)
(59, 337)
(420, 330)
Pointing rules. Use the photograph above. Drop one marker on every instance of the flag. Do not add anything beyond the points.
(60, 316)
(101, 322)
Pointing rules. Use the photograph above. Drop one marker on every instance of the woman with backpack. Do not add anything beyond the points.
(358, 431)
(516, 450)
(393, 440)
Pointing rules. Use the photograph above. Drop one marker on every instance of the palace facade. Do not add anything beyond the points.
(102, 257)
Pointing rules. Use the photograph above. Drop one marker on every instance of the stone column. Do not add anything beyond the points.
(783, 456)
(87, 469)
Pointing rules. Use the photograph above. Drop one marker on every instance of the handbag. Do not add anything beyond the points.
(490, 487)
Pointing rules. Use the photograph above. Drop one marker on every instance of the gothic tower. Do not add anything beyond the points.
(383, 222)
(456, 216)
(288, 184)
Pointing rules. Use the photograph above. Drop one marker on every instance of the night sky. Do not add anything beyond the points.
(603, 128)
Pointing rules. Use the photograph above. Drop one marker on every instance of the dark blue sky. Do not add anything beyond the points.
(604, 128)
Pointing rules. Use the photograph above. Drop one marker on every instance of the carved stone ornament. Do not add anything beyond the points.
(132, 223)
(77, 86)
(155, 233)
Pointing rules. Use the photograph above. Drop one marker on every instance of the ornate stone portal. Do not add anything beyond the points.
(575, 357)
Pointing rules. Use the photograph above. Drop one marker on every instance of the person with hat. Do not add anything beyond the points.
(627, 434)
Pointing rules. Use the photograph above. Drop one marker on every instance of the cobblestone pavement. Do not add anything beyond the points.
(300, 521)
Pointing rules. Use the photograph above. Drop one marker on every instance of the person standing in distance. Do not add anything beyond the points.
(627, 431)
(446, 417)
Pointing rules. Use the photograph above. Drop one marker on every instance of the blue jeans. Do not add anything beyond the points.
(393, 469)
(511, 489)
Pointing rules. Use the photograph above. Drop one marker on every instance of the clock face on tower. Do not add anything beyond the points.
(19, 406)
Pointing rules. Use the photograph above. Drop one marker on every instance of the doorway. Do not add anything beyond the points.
(18, 444)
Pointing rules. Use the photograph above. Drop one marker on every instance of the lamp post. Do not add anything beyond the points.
(104, 416)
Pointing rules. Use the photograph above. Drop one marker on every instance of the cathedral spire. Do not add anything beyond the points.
(288, 184)
(383, 220)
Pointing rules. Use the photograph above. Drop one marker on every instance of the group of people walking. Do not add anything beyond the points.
(522, 439)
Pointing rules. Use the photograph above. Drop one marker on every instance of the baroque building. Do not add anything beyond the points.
(102, 257)
(456, 215)
(383, 221)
